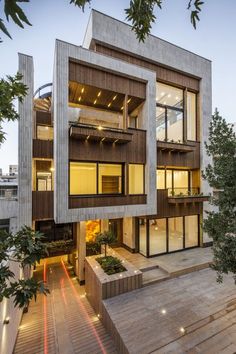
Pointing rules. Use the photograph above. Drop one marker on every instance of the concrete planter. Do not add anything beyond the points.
(100, 286)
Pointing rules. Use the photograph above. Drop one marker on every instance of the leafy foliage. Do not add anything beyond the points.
(140, 13)
(111, 265)
(26, 249)
(15, 12)
(105, 238)
(10, 89)
(220, 224)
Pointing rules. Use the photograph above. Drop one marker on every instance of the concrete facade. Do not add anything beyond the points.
(62, 213)
(103, 29)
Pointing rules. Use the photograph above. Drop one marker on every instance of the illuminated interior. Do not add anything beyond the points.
(94, 106)
(95, 178)
(93, 227)
(136, 179)
(44, 132)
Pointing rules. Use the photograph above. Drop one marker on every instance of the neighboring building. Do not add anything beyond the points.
(13, 170)
(119, 144)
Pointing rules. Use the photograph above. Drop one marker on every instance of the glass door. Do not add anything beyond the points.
(116, 227)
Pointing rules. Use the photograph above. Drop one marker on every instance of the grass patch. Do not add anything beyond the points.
(111, 265)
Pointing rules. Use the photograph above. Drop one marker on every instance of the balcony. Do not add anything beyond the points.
(186, 195)
(98, 133)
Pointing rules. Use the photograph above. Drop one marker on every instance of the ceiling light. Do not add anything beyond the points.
(169, 95)
(182, 330)
(129, 100)
(52, 169)
(162, 94)
(79, 99)
(116, 141)
(163, 311)
(113, 99)
(99, 93)
(82, 90)
(95, 102)
(99, 127)
(109, 104)
(176, 97)
(103, 139)
(88, 137)
(122, 107)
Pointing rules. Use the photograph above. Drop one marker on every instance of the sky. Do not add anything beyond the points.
(215, 39)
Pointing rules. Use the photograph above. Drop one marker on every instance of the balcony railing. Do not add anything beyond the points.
(8, 193)
(186, 195)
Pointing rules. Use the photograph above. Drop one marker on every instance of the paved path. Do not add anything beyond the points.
(190, 314)
(63, 322)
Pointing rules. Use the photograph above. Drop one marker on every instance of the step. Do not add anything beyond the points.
(153, 276)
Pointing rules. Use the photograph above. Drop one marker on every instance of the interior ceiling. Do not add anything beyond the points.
(95, 97)
(42, 104)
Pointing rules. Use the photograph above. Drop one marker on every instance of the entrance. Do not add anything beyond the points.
(116, 227)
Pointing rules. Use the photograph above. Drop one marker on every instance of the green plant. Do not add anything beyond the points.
(92, 248)
(105, 238)
(60, 245)
(25, 248)
(111, 265)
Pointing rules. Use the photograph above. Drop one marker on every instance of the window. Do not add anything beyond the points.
(191, 231)
(169, 113)
(181, 182)
(176, 233)
(44, 132)
(160, 179)
(83, 177)
(44, 181)
(109, 179)
(157, 236)
(94, 178)
(136, 179)
(191, 116)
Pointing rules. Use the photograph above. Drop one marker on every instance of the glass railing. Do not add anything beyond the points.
(8, 193)
(183, 192)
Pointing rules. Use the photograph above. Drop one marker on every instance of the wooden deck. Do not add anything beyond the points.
(63, 322)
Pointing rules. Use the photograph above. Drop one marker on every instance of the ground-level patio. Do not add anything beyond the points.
(187, 314)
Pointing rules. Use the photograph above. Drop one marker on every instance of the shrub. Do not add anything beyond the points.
(111, 265)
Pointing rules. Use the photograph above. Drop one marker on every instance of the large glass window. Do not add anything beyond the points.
(176, 233)
(44, 132)
(160, 175)
(157, 236)
(174, 126)
(191, 115)
(109, 178)
(143, 236)
(136, 179)
(191, 231)
(44, 181)
(181, 182)
(83, 178)
(169, 113)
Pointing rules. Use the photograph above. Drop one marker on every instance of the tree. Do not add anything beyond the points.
(105, 238)
(10, 89)
(220, 224)
(26, 249)
(140, 13)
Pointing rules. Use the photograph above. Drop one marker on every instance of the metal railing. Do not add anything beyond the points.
(183, 192)
(8, 193)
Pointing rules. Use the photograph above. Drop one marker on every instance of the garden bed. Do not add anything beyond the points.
(100, 286)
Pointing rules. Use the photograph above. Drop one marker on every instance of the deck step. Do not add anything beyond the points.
(147, 269)
(154, 275)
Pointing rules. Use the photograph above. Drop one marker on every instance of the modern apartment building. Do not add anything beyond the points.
(116, 142)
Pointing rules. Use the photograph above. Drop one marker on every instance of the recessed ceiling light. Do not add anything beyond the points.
(163, 311)
(114, 98)
(79, 99)
(82, 90)
(99, 93)
(162, 94)
(109, 104)
(129, 100)
(95, 102)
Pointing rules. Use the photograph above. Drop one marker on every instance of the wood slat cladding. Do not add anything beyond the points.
(179, 159)
(101, 201)
(132, 152)
(106, 80)
(42, 149)
(164, 209)
(44, 118)
(165, 75)
(43, 166)
(42, 205)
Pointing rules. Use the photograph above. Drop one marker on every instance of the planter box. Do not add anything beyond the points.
(100, 286)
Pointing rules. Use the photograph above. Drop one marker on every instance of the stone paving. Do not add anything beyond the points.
(188, 314)
(63, 322)
(175, 263)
